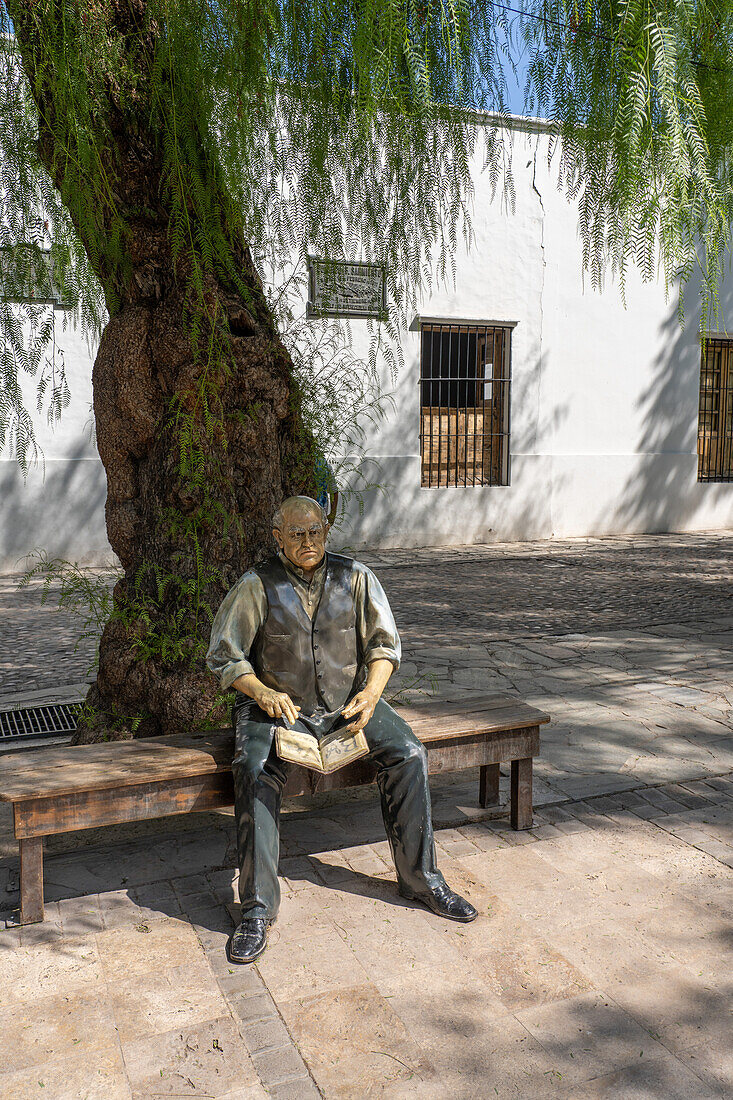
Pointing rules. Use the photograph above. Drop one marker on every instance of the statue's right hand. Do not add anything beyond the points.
(277, 704)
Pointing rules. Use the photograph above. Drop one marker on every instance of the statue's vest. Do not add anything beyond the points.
(316, 663)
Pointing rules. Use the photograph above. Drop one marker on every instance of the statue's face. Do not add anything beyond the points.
(302, 538)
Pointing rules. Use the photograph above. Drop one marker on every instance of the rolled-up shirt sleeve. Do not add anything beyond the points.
(242, 613)
(375, 625)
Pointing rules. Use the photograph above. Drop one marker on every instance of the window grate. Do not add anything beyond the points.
(46, 721)
(715, 420)
(464, 405)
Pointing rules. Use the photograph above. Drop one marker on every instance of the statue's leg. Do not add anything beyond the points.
(259, 778)
(402, 778)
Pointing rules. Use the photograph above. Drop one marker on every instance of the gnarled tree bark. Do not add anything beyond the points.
(182, 539)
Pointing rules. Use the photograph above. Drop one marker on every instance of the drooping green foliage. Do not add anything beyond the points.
(348, 128)
(642, 94)
(324, 122)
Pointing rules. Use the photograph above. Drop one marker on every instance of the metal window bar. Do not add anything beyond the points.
(715, 416)
(464, 405)
(427, 337)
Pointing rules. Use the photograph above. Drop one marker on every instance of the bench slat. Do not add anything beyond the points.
(67, 769)
(430, 707)
(429, 730)
(83, 809)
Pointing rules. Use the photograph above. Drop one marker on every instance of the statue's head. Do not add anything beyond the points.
(299, 527)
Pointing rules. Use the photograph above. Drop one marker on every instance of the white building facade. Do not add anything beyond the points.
(530, 406)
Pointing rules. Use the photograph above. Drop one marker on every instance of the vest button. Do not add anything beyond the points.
(318, 662)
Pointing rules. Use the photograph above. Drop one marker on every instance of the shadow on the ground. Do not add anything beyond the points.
(350, 881)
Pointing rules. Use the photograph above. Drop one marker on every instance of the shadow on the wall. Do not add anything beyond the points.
(663, 493)
(62, 512)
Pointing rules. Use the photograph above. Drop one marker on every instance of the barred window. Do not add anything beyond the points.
(464, 404)
(715, 421)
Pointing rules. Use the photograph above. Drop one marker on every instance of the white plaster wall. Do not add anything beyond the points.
(604, 398)
(626, 384)
(59, 507)
(603, 408)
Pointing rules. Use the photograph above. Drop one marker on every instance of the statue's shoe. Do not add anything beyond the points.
(248, 940)
(445, 902)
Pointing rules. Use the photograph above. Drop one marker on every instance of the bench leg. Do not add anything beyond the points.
(31, 880)
(521, 799)
(488, 785)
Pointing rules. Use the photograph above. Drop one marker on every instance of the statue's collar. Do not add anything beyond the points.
(296, 571)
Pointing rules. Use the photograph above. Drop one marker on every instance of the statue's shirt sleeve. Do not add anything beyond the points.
(242, 613)
(375, 625)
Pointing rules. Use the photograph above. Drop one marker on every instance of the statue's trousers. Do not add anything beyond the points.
(259, 778)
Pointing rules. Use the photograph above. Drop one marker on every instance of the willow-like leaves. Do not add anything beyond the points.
(348, 127)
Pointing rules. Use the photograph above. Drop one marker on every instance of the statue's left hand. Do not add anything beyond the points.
(362, 706)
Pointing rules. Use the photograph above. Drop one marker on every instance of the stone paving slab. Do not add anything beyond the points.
(599, 966)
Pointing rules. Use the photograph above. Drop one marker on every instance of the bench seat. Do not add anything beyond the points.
(64, 788)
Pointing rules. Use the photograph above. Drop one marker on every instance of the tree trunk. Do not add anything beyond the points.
(184, 542)
(198, 450)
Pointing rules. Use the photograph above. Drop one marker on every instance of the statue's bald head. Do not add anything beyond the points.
(298, 508)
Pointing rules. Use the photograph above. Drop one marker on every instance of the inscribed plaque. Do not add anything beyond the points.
(338, 288)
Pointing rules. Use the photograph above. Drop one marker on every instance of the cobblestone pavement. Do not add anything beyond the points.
(600, 964)
(626, 642)
(453, 596)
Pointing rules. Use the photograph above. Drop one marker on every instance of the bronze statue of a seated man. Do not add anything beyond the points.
(309, 637)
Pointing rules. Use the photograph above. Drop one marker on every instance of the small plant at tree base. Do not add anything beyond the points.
(83, 592)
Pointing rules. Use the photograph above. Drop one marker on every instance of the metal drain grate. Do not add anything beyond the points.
(48, 721)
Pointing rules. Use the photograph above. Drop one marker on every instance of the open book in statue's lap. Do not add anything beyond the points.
(326, 755)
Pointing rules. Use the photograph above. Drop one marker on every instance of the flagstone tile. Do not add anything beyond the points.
(307, 912)
(60, 966)
(295, 966)
(514, 958)
(208, 1059)
(713, 895)
(177, 997)
(391, 939)
(518, 966)
(146, 947)
(101, 1077)
(608, 951)
(255, 1092)
(690, 934)
(55, 1027)
(511, 872)
(357, 1027)
(477, 1047)
(712, 1061)
(589, 1035)
(680, 1008)
(662, 1077)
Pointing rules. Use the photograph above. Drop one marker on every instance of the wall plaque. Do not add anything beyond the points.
(27, 275)
(338, 288)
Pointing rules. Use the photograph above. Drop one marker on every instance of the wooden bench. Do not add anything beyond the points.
(63, 788)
